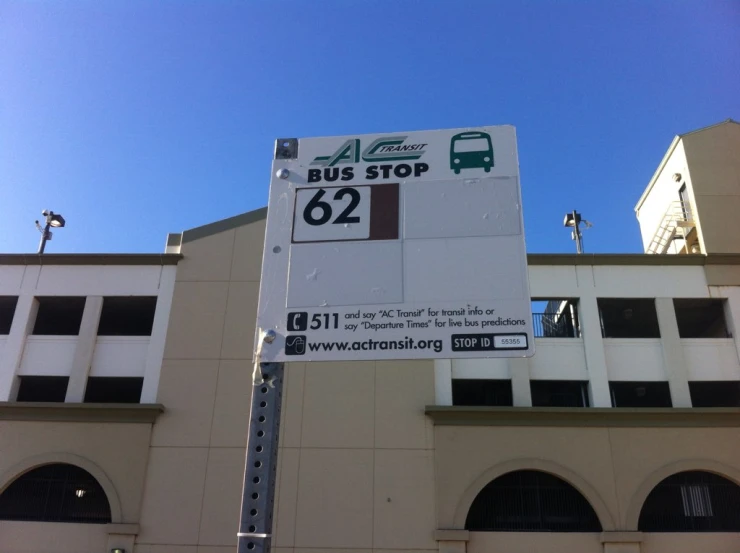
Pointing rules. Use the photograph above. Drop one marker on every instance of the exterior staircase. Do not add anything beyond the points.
(676, 223)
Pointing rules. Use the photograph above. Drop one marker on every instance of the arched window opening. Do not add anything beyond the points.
(55, 493)
(692, 501)
(531, 501)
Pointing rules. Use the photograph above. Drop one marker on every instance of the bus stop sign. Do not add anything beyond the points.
(395, 246)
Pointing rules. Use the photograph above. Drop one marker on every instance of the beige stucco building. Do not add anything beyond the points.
(636, 380)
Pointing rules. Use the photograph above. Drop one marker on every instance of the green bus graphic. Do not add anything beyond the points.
(471, 150)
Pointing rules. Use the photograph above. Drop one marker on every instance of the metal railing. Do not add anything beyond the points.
(676, 223)
(552, 325)
(55, 493)
(531, 501)
(692, 501)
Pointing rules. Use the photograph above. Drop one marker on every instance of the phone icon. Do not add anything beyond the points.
(297, 321)
(295, 345)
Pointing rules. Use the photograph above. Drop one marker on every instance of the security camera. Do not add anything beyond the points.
(45, 213)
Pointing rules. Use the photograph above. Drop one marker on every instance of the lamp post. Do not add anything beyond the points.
(574, 220)
(52, 220)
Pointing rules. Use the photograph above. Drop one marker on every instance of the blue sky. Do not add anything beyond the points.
(138, 118)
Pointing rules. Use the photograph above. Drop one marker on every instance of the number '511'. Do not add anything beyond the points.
(325, 207)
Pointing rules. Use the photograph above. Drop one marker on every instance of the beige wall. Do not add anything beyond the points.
(533, 542)
(356, 469)
(518, 542)
(116, 454)
(194, 478)
(614, 468)
(359, 474)
(360, 465)
(30, 537)
(714, 542)
(662, 195)
(713, 159)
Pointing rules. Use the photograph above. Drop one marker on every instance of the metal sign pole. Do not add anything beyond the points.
(258, 491)
(260, 469)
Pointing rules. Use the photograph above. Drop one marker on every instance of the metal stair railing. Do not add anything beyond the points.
(677, 222)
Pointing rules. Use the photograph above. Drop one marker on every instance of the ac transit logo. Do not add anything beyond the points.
(387, 148)
(383, 151)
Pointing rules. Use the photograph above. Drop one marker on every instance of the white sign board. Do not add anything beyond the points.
(396, 246)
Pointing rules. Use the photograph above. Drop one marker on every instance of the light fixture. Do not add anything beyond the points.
(676, 177)
(52, 220)
(117, 550)
(574, 220)
(80, 492)
(56, 220)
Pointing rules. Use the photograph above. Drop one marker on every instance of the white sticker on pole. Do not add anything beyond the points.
(396, 246)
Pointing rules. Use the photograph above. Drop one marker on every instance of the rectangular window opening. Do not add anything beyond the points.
(7, 312)
(113, 389)
(701, 318)
(43, 388)
(556, 318)
(127, 316)
(640, 394)
(715, 393)
(59, 316)
(475, 392)
(628, 318)
(559, 393)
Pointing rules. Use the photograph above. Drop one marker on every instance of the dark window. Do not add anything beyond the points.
(531, 501)
(628, 318)
(559, 393)
(7, 311)
(715, 394)
(59, 316)
(640, 394)
(482, 393)
(683, 195)
(693, 501)
(55, 493)
(113, 389)
(127, 316)
(43, 388)
(701, 318)
(555, 318)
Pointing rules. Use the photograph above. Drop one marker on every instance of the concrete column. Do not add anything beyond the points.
(84, 349)
(452, 541)
(23, 321)
(121, 536)
(155, 351)
(621, 542)
(520, 389)
(673, 357)
(732, 313)
(443, 381)
(593, 345)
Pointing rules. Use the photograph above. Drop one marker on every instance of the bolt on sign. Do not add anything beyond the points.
(396, 246)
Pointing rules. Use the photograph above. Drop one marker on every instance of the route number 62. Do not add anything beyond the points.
(326, 210)
(332, 213)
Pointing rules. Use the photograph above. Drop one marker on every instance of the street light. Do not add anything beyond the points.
(574, 220)
(52, 220)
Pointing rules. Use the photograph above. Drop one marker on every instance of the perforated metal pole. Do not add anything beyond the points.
(258, 491)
